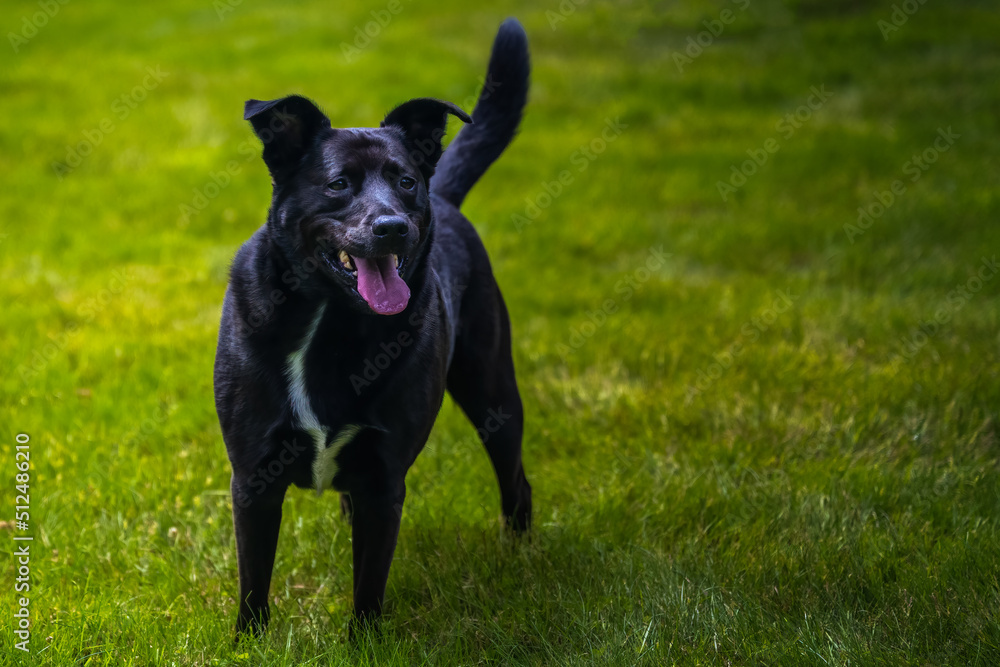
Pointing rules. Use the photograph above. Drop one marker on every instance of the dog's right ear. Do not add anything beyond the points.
(423, 121)
(287, 128)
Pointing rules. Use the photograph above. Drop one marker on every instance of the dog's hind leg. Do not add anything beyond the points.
(346, 508)
(481, 380)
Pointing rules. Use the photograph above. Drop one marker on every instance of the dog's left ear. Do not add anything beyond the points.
(287, 128)
(423, 122)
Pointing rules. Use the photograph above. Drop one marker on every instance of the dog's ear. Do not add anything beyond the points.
(287, 128)
(423, 122)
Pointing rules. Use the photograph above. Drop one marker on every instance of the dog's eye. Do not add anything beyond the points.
(407, 183)
(337, 185)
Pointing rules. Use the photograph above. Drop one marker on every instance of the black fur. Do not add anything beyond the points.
(495, 118)
(364, 191)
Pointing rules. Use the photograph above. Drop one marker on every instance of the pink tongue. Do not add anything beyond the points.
(380, 285)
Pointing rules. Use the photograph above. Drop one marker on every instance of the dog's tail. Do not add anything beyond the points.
(494, 120)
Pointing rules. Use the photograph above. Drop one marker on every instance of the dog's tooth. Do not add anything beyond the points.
(345, 259)
(395, 261)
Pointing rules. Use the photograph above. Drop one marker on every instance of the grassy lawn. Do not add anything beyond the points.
(762, 426)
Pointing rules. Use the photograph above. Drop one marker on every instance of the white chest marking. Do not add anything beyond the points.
(324, 463)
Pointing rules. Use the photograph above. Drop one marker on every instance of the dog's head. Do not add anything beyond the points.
(354, 201)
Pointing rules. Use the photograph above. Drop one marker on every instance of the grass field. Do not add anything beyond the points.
(762, 427)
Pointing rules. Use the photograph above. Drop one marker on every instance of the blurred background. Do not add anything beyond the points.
(749, 251)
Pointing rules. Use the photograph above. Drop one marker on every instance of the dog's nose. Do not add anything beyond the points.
(389, 226)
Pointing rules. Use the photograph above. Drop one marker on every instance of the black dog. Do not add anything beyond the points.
(364, 296)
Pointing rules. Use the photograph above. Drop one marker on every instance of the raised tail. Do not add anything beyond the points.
(494, 120)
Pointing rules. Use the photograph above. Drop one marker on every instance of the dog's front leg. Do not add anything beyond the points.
(257, 519)
(374, 528)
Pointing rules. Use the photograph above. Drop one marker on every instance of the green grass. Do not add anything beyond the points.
(716, 482)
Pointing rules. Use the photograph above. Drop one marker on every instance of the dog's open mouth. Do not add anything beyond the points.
(378, 280)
